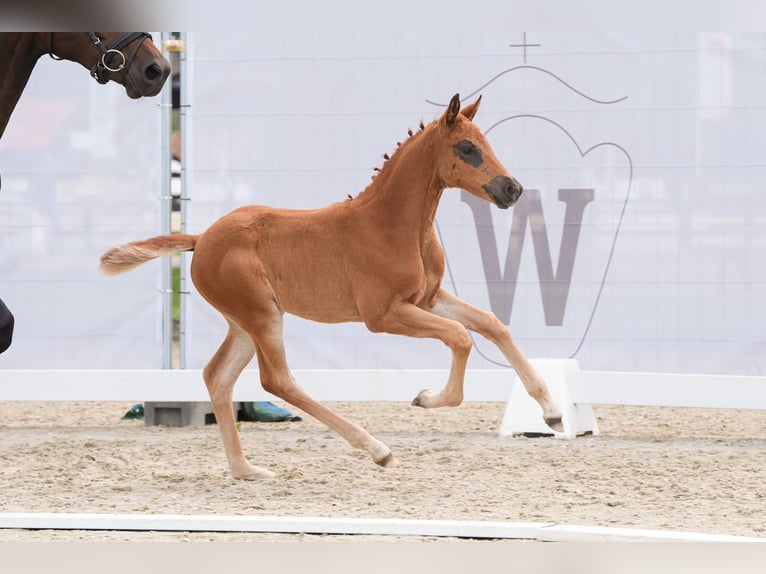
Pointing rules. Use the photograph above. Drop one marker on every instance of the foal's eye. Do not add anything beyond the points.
(468, 153)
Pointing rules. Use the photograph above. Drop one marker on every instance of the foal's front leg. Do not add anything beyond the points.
(488, 325)
(407, 319)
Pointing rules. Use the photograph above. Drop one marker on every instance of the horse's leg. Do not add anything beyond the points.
(220, 374)
(6, 327)
(411, 321)
(488, 325)
(277, 379)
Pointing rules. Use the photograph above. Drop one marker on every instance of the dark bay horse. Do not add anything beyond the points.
(124, 57)
(374, 258)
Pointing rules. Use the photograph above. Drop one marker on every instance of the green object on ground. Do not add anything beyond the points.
(264, 411)
(261, 411)
(136, 412)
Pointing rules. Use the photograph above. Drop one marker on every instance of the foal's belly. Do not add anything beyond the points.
(316, 301)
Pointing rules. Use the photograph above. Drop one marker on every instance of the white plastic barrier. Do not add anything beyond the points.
(576, 390)
(187, 385)
(523, 414)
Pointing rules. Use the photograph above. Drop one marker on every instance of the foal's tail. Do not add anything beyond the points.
(126, 257)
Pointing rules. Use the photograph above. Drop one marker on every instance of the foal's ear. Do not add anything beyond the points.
(453, 109)
(470, 110)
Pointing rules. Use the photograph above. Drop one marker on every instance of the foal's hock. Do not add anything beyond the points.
(373, 258)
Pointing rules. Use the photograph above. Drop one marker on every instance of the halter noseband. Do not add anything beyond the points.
(112, 59)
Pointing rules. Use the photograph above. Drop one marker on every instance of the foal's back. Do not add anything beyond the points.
(296, 261)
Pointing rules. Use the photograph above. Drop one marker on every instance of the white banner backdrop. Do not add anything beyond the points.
(80, 165)
(638, 244)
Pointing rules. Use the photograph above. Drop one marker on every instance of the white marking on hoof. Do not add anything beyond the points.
(388, 461)
(254, 473)
(426, 399)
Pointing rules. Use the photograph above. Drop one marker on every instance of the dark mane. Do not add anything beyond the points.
(381, 173)
(410, 135)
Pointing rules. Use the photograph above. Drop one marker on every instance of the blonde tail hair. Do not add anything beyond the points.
(126, 257)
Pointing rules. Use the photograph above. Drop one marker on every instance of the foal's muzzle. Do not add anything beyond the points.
(504, 191)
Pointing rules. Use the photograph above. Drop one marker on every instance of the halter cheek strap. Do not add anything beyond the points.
(110, 52)
(50, 47)
(113, 51)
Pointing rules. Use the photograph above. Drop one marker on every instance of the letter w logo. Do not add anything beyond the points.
(554, 289)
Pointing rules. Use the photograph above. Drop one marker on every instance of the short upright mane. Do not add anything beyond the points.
(389, 161)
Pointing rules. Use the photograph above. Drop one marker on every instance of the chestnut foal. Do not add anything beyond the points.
(374, 258)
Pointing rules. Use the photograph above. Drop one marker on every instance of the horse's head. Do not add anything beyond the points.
(130, 59)
(466, 159)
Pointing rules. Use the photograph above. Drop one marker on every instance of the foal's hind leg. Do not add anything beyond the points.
(220, 375)
(277, 379)
(488, 325)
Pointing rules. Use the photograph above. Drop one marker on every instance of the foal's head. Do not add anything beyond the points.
(466, 159)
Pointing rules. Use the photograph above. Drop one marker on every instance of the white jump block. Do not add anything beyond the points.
(523, 416)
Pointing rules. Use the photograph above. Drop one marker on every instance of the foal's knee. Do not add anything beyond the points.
(6, 327)
(461, 342)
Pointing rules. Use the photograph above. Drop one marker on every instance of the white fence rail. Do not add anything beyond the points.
(187, 385)
(573, 389)
(667, 390)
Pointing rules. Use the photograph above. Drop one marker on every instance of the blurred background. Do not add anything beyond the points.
(638, 244)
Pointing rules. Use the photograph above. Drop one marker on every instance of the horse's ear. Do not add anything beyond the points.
(453, 109)
(470, 110)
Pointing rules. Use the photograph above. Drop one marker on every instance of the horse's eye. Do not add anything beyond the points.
(465, 147)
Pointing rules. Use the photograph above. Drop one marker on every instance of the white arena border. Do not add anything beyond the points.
(540, 531)
(187, 385)
(350, 385)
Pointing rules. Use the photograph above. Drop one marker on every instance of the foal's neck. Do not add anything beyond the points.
(407, 190)
(18, 55)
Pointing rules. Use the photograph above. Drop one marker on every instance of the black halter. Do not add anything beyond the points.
(112, 59)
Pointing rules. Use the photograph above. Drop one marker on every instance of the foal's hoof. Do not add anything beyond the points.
(424, 399)
(555, 423)
(254, 473)
(387, 461)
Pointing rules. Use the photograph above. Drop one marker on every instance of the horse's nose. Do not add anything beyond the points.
(514, 190)
(153, 71)
(155, 75)
(504, 191)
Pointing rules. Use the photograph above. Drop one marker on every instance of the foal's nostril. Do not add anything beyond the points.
(514, 190)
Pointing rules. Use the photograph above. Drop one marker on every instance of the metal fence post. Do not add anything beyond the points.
(166, 203)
